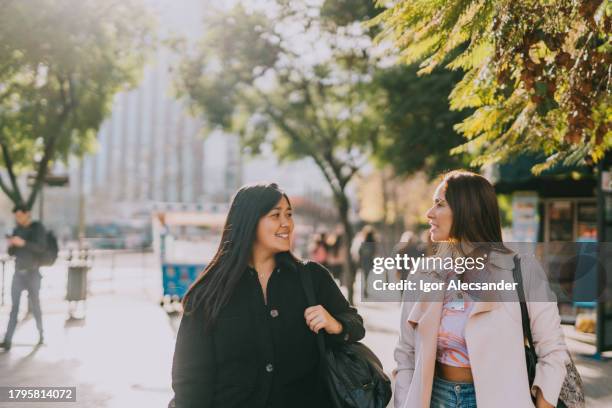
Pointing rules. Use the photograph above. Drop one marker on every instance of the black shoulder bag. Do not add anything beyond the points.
(352, 373)
(572, 393)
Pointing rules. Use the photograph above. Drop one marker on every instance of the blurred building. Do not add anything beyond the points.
(152, 151)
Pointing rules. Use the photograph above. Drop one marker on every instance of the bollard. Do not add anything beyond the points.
(76, 285)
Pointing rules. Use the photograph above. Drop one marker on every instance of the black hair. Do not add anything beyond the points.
(21, 207)
(216, 283)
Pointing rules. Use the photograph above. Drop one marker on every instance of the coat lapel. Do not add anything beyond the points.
(482, 307)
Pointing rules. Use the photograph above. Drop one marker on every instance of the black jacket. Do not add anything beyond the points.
(258, 355)
(28, 257)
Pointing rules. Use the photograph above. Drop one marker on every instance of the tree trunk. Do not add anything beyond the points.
(342, 204)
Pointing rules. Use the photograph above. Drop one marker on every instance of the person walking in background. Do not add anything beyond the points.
(28, 245)
(367, 251)
(336, 254)
(410, 246)
(247, 337)
(318, 250)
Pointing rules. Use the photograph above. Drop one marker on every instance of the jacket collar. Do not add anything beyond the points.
(502, 260)
(427, 303)
(422, 310)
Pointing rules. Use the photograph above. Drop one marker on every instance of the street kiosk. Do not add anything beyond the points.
(185, 243)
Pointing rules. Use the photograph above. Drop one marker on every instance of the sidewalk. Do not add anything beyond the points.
(121, 354)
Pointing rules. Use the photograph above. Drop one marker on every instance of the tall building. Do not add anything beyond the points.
(152, 150)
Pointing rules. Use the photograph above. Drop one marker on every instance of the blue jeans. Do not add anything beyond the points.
(448, 394)
(30, 281)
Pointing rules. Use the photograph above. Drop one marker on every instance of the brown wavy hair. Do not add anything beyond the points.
(473, 202)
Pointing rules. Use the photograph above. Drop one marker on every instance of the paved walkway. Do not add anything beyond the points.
(120, 354)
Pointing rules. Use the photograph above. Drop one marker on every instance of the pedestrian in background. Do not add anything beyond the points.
(247, 337)
(27, 244)
(410, 246)
(318, 250)
(336, 254)
(367, 251)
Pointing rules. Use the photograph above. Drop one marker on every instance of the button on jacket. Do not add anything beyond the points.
(260, 355)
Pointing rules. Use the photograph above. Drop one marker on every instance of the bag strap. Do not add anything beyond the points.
(308, 286)
(518, 278)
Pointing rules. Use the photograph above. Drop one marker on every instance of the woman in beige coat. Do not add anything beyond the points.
(457, 352)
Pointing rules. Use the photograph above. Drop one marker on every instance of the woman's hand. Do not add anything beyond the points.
(540, 401)
(318, 318)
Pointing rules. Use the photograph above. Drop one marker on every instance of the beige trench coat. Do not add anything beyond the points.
(495, 345)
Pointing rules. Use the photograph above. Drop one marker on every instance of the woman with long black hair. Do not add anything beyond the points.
(247, 336)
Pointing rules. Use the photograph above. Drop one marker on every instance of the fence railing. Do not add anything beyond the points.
(110, 271)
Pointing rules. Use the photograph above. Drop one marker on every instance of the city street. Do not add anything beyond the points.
(360, 134)
(120, 355)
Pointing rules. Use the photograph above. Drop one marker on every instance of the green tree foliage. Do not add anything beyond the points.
(416, 121)
(537, 72)
(61, 63)
(287, 81)
(341, 13)
(419, 133)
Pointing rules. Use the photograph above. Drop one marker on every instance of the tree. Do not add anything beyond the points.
(419, 131)
(537, 72)
(416, 121)
(286, 80)
(61, 63)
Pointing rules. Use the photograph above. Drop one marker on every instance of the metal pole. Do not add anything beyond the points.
(41, 204)
(113, 269)
(81, 205)
(603, 340)
(3, 263)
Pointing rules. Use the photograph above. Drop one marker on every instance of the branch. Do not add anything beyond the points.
(51, 138)
(331, 132)
(7, 191)
(326, 124)
(353, 169)
(323, 164)
(332, 179)
(14, 195)
(8, 162)
(326, 163)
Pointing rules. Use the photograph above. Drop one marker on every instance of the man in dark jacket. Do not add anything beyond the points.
(27, 244)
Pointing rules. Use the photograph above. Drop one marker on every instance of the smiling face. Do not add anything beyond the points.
(440, 216)
(275, 229)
